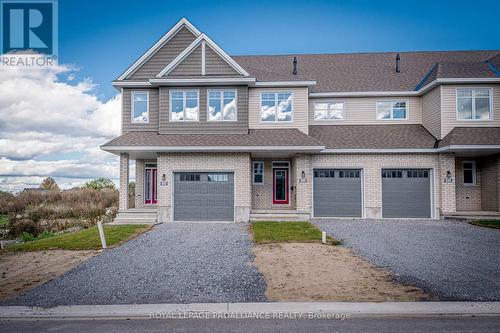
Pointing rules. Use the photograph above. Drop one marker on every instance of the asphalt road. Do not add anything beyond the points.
(421, 324)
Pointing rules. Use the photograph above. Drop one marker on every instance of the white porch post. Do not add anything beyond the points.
(124, 177)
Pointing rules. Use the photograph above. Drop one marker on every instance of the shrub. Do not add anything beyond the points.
(17, 227)
(27, 237)
(49, 183)
(99, 184)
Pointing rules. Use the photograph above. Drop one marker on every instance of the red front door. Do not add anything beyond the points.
(280, 186)
(150, 186)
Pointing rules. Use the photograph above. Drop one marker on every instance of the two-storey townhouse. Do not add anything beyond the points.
(368, 135)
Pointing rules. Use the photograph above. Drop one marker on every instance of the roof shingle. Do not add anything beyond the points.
(472, 136)
(367, 71)
(255, 137)
(372, 136)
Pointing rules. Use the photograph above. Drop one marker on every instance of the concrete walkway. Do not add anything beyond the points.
(268, 310)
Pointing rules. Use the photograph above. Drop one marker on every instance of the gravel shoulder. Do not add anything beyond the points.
(305, 272)
(172, 263)
(25, 270)
(451, 260)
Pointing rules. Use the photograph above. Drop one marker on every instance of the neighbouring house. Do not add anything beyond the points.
(368, 135)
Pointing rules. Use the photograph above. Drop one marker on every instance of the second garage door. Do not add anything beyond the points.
(203, 196)
(337, 193)
(406, 193)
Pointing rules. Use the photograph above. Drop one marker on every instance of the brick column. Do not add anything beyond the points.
(139, 183)
(124, 177)
(304, 185)
(447, 185)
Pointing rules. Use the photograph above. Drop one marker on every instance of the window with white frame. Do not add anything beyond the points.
(474, 104)
(258, 172)
(469, 170)
(329, 111)
(222, 105)
(276, 106)
(140, 107)
(184, 105)
(390, 110)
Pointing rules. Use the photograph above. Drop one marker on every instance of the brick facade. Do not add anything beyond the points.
(139, 183)
(262, 194)
(447, 184)
(124, 177)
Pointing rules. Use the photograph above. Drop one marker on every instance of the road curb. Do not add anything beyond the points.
(270, 310)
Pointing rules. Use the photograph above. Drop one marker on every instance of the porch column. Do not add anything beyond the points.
(124, 177)
(447, 182)
(139, 183)
(303, 183)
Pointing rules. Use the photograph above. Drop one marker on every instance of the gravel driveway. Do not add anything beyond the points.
(173, 263)
(452, 260)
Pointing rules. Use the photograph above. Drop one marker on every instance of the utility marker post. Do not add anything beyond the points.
(323, 237)
(101, 235)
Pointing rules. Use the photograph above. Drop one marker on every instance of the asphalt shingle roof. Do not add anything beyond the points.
(372, 136)
(255, 137)
(472, 136)
(368, 71)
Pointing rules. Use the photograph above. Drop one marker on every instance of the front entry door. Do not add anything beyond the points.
(150, 186)
(280, 186)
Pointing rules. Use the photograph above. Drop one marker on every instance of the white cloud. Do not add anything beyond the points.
(45, 120)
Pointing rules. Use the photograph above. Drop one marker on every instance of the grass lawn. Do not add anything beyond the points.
(87, 239)
(287, 232)
(487, 223)
(4, 219)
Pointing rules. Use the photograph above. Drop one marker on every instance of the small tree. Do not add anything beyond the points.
(49, 183)
(100, 183)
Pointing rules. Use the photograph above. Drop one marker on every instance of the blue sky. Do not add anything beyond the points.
(72, 109)
(104, 37)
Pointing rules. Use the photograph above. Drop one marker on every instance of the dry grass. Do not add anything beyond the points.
(35, 212)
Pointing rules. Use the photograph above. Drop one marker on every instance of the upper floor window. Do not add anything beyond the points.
(140, 107)
(222, 105)
(184, 105)
(389, 110)
(474, 104)
(276, 107)
(329, 111)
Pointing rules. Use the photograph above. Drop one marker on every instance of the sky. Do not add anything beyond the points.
(56, 129)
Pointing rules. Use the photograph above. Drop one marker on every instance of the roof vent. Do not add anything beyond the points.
(398, 63)
(294, 66)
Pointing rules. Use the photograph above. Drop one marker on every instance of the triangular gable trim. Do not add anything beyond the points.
(203, 39)
(149, 53)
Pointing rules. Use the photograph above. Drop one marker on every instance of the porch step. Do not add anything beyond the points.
(136, 216)
(471, 216)
(275, 215)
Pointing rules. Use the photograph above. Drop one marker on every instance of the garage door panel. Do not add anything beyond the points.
(335, 195)
(406, 193)
(204, 196)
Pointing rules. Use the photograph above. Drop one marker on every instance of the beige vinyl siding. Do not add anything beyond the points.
(203, 126)
(431, 112)
(215, 65)
(127, 124)
(449, 108)
(363, 111)
(189, 66)
(299, 107)
(164, 55)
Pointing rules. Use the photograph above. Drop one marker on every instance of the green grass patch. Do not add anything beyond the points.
(87, 239)
(287, 232)
(487, 223)
(4, 220)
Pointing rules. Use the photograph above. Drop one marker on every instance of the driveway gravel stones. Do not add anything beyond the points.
(450, 259)
(173, 263)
